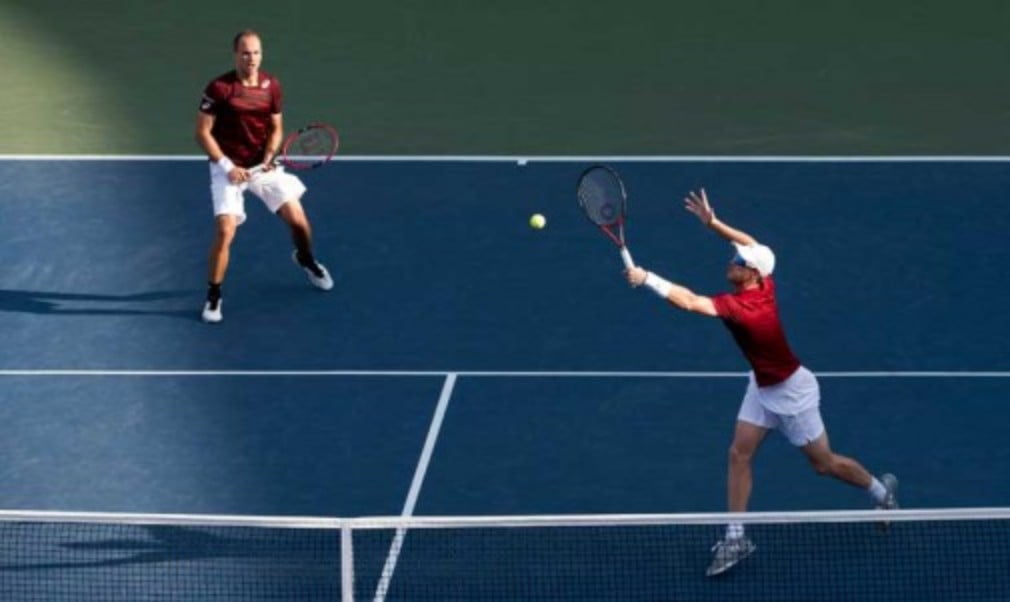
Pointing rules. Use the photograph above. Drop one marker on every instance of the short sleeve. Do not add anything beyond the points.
(277, 97)
(211, 100)
(726, 307)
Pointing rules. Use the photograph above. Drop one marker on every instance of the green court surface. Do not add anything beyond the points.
(558, 77)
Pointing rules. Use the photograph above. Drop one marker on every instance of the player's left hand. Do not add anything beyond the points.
(697, 203)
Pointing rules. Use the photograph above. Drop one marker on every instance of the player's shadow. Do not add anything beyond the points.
(165, 543)
(91, 304)
(190, 563)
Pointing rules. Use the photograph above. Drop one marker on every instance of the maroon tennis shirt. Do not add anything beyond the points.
(242, 115)
(752, 316)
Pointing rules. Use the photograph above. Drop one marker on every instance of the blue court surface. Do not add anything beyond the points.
(563, 390)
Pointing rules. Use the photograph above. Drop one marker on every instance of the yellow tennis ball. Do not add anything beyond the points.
(537, 221)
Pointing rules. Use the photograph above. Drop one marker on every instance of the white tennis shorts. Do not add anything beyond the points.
(792, 407)
(274, 188)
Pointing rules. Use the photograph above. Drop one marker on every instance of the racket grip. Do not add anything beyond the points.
(626, 257)
(262, 166)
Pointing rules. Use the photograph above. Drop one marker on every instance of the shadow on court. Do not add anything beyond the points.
(145, 562)
(159, 543)
(85, 304)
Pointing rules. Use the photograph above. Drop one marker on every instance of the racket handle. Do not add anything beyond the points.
(259, 168)
(626, 257)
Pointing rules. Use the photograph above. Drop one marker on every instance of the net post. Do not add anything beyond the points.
(346, 562)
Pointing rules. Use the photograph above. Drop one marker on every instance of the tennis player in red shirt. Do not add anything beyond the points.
(781, 394)
(239, 126)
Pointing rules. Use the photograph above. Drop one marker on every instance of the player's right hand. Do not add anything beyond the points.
(635, 275)
(238, 175)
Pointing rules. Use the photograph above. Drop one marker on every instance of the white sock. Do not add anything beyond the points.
(734, 531)
(877, 490)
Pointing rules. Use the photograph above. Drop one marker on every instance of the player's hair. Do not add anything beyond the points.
(243, 34)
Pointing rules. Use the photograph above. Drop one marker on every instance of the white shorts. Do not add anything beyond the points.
(274, 188)
(791, 407)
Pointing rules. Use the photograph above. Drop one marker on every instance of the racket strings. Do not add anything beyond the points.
(315, 141)
(602, 198)
(310, 147)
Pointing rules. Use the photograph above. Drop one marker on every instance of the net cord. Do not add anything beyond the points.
(506, 521)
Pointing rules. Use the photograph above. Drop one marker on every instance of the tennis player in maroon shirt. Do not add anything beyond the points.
(239, 126)
(781, 394)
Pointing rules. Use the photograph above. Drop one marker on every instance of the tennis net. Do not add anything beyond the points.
(947, 554)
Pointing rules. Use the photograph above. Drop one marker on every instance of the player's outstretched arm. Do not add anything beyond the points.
(676, 294)
(697, 203)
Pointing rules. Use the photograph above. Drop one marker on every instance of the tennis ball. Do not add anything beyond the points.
(537, 221)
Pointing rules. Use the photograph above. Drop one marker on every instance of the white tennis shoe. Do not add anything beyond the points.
(727, 553)
(212, 312)
(318, 275)
(890, 501)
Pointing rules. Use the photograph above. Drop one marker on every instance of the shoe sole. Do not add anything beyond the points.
(720, 571)
(294, 258)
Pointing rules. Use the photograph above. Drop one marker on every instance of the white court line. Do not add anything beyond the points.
(565, 158)
(500, 373)
(415, 487)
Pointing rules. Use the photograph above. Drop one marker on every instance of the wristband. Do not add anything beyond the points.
(226, 164)
(658, 285)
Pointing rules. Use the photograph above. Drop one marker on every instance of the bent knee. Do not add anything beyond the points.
(740, 455)
(225, 232)
(824, 468)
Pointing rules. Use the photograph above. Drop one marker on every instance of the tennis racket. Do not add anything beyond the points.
(603, 199)
(306, 148)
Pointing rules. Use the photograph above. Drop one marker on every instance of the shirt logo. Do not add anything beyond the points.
(206, 103)
(265, 84)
